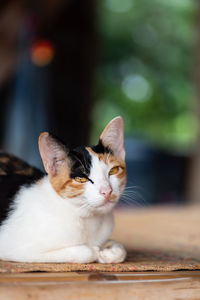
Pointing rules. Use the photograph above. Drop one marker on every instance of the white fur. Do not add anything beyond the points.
(43, 227)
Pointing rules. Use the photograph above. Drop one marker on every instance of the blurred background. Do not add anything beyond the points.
(69, 67)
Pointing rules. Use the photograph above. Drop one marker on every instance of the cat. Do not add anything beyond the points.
(65, 215)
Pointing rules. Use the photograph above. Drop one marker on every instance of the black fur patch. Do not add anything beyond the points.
(14, 173)
(81, 159)
(100, 148)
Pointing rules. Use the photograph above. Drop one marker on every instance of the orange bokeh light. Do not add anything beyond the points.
(42, 53)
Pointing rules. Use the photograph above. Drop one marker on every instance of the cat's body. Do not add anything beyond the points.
(65, 216)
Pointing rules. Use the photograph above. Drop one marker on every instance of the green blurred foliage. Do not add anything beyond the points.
(145, 70)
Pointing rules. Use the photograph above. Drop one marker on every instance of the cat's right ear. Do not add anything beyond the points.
(53, 154)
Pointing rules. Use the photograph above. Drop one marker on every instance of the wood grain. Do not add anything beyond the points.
(176, 285)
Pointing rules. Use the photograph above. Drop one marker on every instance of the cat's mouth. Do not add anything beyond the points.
(111, 200)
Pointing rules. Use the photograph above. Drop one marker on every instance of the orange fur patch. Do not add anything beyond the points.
(112, 161)
(113, 198)
(72, 189)
(64, 185)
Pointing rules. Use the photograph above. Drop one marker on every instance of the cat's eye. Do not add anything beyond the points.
(114, 170)
(80, 179)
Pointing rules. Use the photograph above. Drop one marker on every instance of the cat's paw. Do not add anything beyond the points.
(84, 254)
(114, 254)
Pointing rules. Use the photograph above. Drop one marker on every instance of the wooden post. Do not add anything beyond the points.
(193, 188)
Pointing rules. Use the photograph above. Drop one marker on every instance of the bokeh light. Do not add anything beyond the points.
(42, 53)
(136, 88)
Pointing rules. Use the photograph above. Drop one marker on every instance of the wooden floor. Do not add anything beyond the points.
(53, 286)
(168, 230)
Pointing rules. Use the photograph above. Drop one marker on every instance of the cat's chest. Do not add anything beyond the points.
(96, 230)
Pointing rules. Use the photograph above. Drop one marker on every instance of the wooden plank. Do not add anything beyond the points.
(178, 285)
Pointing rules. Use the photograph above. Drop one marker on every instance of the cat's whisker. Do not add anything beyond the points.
(131, 193)
(134, 197)
(132, 186)
(130, 202)
(144, 203)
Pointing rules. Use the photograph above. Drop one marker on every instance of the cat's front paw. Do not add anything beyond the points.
(114, 254)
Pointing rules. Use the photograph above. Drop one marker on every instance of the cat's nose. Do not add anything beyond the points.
(105, 191)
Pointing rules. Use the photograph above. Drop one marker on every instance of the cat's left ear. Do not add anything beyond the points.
(113, 137)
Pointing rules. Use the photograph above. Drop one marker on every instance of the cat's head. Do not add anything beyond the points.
(92, 178)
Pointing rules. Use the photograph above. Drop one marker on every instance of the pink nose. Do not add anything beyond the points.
(105, 191)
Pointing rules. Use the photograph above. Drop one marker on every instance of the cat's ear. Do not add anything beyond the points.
(53, 154)
(113, 137)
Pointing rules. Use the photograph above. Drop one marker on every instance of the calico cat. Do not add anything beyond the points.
(64, 215)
